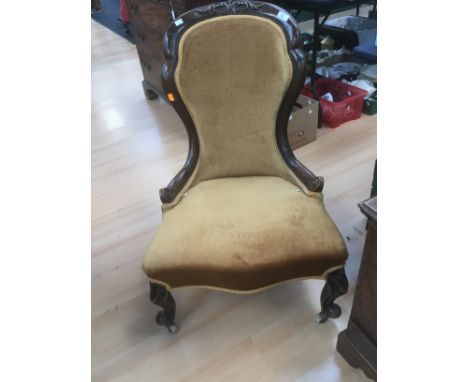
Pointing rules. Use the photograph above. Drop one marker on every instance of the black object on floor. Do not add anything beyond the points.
(109, 16)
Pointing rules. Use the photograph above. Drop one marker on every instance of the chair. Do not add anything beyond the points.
(243, 214)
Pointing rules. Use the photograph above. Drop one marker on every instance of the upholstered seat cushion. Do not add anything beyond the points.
(244, 233)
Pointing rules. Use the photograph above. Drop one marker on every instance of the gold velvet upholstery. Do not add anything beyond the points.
(243, 220)
(244, 233)
(232, 85)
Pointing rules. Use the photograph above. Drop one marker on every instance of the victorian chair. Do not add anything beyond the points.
(243, 214)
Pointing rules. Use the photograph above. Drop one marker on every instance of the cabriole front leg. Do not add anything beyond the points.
(160, 296)
(336, 286)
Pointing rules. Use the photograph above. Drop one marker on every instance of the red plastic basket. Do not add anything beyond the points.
(347, 100)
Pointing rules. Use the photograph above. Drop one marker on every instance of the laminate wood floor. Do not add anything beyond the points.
(137, 146)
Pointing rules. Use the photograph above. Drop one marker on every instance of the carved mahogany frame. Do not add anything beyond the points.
(335, 286)
(160, 296)
(294, 43)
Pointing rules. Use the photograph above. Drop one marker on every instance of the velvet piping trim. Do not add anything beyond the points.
(249, 291)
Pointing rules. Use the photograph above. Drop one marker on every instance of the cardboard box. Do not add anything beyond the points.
(303, 122)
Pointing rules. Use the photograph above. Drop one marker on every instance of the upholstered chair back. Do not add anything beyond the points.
(234, 78)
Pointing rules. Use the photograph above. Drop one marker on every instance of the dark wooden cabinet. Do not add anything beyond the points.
(358, 342)
(150, 19)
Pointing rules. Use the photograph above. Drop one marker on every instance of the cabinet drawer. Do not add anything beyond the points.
(155, 14)
(151, 68)
(149, 41)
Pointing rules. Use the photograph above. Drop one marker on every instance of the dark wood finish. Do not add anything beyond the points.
(335, 286)
(95, 5)
(160, 296)
(358, 350)
(150, 19)
(293, 38)
(358, 342)
(149, 90)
